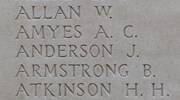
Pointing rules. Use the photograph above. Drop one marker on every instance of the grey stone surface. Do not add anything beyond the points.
(155, 22)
